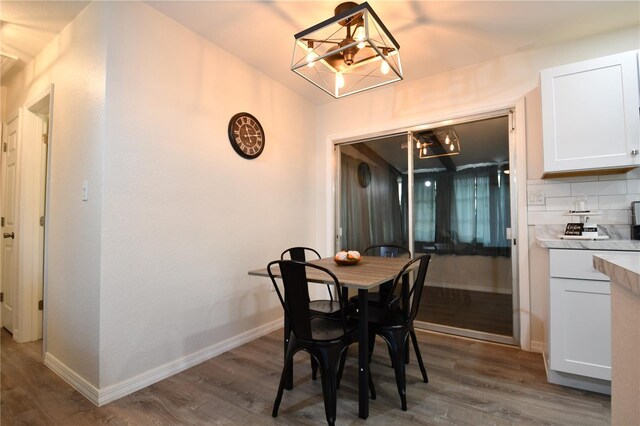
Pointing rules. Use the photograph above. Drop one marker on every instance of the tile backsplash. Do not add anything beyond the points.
(549, 199)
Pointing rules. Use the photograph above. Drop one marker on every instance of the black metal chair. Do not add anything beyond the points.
(322, 307)
(378, 298)
(325, 339)
(387, 250)
(394, 322)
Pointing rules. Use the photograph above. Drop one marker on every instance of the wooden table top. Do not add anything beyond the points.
(369, 273)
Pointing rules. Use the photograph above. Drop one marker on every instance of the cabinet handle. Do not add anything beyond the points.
(635, 152)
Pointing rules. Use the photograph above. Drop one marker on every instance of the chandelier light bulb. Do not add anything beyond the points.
(384, 67)
(339, 80)
(311, 59)
(418, 144)
(359, 36)
(447, 140)
(451, 147)
(424, 150)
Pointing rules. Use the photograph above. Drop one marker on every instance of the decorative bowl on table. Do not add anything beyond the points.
(346, 258)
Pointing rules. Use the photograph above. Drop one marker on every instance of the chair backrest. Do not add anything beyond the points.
(387, 250)
(295, 300)
(301, 254)
(411, 303)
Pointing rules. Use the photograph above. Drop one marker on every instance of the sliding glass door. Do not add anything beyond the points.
(445, 191)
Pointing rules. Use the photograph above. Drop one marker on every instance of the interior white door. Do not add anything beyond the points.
(9, 214)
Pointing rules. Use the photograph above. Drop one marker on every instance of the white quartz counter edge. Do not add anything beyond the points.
(622, 268)
(621, 245)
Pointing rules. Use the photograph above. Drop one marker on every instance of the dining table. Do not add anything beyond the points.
(363, 276)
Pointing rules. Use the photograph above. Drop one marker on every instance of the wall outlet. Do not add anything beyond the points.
(535, 198)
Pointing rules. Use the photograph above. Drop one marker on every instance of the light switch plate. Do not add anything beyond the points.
(535, 198)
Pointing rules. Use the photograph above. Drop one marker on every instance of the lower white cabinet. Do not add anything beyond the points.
(581, 327)
(579, 352)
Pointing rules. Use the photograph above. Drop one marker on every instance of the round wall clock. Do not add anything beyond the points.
(246, 135)
(364, 174)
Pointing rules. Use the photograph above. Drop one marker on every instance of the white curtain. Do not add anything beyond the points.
(464, 223)
(468, 207)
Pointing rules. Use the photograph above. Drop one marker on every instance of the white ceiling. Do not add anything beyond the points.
(434, 36)
(26, 27)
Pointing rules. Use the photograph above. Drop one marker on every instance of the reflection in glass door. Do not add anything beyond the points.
(459, 211)
(372, 175)
(462, 215)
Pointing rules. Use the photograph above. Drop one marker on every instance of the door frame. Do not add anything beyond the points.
(32, 243)
(518, 170)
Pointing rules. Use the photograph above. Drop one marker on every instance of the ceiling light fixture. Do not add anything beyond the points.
(349, 53)
(438, 143)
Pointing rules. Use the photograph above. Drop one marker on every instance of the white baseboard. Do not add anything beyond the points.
(72, 378)
(470, 287)
(536, 346)
(108, 394)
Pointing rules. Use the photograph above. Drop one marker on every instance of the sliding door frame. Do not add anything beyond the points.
(518, 175)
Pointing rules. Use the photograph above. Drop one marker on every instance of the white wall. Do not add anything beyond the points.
(75, 62)
(3, 101)
(152, 269)
(481, 87)
(184, 217)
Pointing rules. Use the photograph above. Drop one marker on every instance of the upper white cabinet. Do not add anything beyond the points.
(590, 114)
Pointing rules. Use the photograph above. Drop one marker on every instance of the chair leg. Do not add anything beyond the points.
(399, 366)
(283, 379)
(343, 359)
(414, 339)
(407, 352)
(314, 368)
(328, 376)
(393, 365)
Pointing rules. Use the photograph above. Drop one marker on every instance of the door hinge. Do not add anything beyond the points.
(514, 241)
(40, 305)
(512, 119)
(2, 222)
(1, 297)
(45, 138)
(41, 220)
(4, 147)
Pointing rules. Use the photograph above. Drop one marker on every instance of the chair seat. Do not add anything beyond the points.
(324, 306)
(326, 329)
(390, 318)
(330, 308)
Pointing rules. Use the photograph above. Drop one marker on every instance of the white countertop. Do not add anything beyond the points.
(620, 245)
(622, 268)
(547, 237)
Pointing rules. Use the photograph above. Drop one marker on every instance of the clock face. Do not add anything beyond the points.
(246, 135)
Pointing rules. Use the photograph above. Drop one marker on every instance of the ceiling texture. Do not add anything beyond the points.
(434, 36)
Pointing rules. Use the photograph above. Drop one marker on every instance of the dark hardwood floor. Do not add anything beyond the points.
(471, 383)
(473, 310)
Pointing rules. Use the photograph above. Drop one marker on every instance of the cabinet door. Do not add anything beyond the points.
(590, 114)
(580, 332)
